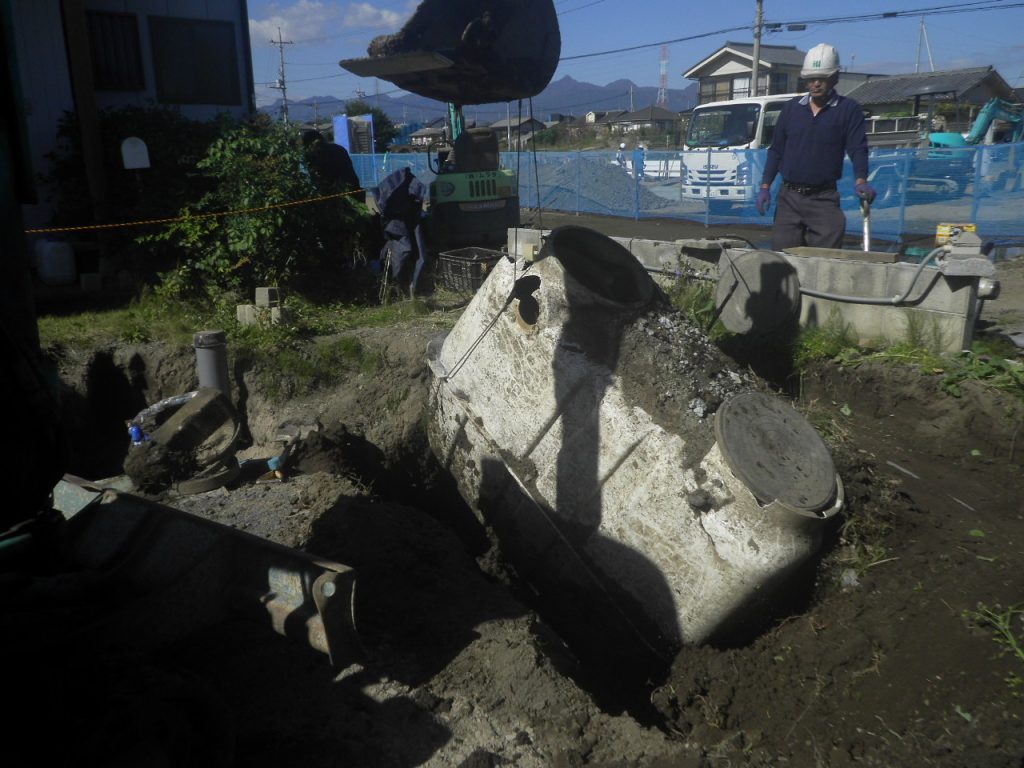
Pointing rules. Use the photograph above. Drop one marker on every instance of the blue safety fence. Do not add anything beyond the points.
(917, 188)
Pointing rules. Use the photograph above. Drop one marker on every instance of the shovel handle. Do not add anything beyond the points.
(865, 209)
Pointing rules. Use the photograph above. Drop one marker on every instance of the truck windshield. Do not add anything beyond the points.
(723, 126)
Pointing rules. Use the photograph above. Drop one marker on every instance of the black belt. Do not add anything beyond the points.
(808, 189)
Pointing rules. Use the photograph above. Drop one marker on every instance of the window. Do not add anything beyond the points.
(114, 47)
(195, 61)
(740, 87)
(715, 90)
(780, 82)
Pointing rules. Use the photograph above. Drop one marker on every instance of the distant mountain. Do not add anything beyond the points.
(565, 96)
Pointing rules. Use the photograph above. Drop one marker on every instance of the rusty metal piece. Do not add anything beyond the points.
(169, 574)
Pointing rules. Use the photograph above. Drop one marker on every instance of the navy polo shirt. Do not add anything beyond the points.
(809, 148)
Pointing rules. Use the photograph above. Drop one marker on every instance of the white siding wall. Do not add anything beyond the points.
(43, 68)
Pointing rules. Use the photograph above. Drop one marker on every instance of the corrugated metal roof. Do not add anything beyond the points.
(899, 89)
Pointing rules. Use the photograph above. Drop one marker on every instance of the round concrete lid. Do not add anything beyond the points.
(775, 452)
(757, 291)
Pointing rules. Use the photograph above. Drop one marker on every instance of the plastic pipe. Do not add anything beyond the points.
(212, 360)
(872, 300)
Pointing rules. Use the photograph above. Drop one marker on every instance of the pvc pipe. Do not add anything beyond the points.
(212, 360)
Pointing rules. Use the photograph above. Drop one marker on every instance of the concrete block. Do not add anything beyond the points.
(250, 314)
(267, 297)
(247, 314)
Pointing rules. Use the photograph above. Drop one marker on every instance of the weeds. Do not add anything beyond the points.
(831, 341)
(1007, 628)
(997, 373)
(696, 300)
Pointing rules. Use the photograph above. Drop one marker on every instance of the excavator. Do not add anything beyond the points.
(465, 52)
(938, 168)
(999, 168)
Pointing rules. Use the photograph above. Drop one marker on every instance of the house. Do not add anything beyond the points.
(84, 56)
(725, 74)
(920, 93)
(517, 131)
(429, 134)
(653, 118)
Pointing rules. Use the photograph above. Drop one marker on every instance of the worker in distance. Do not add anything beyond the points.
(812, 136)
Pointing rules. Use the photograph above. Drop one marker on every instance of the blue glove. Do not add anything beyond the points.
(764, 199)
(866, 192)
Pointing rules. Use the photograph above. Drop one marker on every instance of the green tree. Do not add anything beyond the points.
(252, 228)
(384, 131)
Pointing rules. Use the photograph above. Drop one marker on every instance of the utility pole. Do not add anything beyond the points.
(754, 74)
(923, 34)
(280, 84)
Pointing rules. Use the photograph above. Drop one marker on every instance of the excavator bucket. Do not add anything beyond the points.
(469, 51)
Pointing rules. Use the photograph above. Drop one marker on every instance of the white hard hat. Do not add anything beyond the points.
(622, 145)
(821, 61)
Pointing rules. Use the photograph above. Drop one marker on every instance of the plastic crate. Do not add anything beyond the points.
(464, 269)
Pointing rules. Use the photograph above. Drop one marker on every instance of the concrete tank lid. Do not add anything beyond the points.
(775, 452)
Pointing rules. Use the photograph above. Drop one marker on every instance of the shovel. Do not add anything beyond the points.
(865, 208)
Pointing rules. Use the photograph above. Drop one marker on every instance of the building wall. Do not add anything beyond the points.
(45, 72)
(43, 68)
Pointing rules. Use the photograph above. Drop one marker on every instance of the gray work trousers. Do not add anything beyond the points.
(814, 219)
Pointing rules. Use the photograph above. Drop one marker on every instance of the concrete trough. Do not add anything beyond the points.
(660, 535)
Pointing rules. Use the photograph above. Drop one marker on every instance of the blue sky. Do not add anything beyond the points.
(322, 32)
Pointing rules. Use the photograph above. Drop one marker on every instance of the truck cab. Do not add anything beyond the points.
(718, 162)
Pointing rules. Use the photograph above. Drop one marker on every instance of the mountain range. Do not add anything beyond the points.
(564, 96)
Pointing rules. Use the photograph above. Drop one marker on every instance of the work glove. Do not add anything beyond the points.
(764, 199)
(866, 192)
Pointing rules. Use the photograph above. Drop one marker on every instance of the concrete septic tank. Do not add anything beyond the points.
(664, 532)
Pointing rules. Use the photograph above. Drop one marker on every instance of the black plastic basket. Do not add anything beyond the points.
(464, 269)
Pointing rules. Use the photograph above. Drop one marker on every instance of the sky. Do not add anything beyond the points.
(319, 33)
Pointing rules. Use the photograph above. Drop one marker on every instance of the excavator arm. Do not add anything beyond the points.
(997, 109)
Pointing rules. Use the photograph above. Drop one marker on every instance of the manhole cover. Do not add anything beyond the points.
(775, 452)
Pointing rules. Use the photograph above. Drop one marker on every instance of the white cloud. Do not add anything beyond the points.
(313, 21)
(365, 15)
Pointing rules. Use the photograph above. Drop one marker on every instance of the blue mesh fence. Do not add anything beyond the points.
(917, 188)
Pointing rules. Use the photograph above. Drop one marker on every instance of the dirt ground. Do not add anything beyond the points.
(881, 658)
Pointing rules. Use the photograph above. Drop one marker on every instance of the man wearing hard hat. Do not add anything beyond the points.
(813, 134)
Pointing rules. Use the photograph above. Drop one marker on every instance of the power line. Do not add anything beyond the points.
(939, 10)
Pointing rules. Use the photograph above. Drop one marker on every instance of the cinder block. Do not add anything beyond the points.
(267, 297)
(250, 314)
(247, 314)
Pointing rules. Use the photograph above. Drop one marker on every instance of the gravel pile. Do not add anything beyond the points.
(603, 188)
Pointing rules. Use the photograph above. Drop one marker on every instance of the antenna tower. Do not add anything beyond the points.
(662, 99)
(280, 84)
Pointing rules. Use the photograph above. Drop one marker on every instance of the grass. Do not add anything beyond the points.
(306, 351)
(1007, 628)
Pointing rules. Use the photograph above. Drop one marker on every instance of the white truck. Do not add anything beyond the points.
(718, 161)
